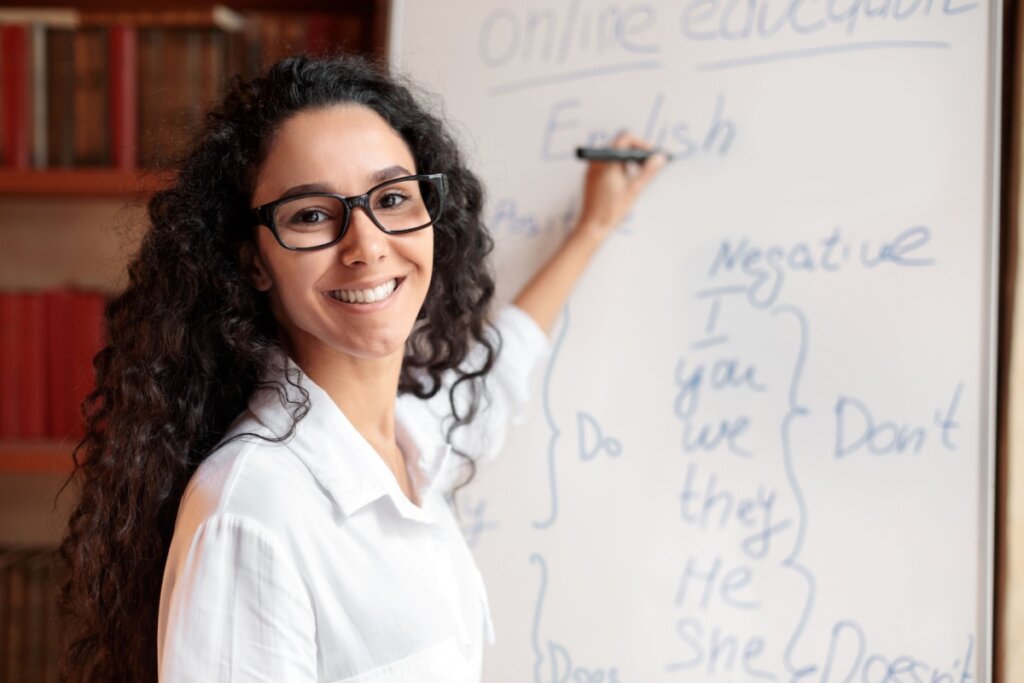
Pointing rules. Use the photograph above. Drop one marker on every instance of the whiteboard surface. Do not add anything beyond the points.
(762, 446)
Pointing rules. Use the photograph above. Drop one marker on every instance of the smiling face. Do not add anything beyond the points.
(319, 298)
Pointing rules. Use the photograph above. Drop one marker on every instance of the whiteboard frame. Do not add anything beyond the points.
(989, 628)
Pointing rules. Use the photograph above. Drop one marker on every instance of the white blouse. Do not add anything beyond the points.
(305, 561)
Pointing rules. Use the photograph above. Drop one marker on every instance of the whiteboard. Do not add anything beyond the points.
(762, 445)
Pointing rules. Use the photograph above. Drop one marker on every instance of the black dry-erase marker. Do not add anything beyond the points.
(615, 154)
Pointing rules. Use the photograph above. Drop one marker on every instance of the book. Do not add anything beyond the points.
(91, 145)
(87, 339)
(10, 372)
(60, 371)
(60, 84)
(31, 353)
(15, 94)
(37, 107)
(123, 78)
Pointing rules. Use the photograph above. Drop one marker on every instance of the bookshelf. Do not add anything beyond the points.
(36, 457)
(96, 95)
(72, 210)
(117, 141)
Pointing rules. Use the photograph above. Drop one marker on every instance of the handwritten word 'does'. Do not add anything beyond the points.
(564, 671)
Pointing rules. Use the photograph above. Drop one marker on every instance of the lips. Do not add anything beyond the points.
(366, 296)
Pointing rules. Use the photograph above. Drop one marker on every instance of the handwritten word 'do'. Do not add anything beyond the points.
(857, 429)
(592, 440)
(551, 35)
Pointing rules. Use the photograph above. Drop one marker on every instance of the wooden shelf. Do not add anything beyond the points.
(36, 457)
(89, 182)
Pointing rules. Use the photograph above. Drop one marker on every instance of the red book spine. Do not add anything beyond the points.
(33, 370)
(124, 117)
(87, 340)
(14, 44)
(59, 367)
(10, 363)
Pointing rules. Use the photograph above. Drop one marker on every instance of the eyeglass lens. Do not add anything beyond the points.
(315, 220)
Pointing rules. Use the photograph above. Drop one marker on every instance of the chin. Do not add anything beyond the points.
(374, 348)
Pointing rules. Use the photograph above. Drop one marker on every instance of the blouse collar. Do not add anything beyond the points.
(341, 460)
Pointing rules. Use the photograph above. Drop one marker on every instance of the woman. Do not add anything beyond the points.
(266, 470)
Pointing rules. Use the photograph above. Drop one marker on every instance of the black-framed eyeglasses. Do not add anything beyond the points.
(315, 220)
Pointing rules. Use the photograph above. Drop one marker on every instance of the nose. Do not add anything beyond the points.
(364, 243)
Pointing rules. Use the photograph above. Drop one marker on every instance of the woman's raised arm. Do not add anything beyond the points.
(609, 190)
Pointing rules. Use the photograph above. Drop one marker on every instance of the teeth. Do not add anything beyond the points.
(365, 296)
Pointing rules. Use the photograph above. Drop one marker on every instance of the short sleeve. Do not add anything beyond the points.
(523, 348)
(237, 610)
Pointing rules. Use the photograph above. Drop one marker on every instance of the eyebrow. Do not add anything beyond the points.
(376, 178)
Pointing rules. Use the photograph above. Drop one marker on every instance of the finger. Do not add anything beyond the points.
(650, 169)
(626, 140)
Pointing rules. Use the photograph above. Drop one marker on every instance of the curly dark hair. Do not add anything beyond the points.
(189, 339)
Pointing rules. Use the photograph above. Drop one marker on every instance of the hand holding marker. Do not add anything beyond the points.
(619, 154)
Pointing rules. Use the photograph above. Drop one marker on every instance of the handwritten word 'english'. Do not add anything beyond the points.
(565, 129)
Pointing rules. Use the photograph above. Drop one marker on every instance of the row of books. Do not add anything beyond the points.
(48, 339)
(30, 629)
(126, 89)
